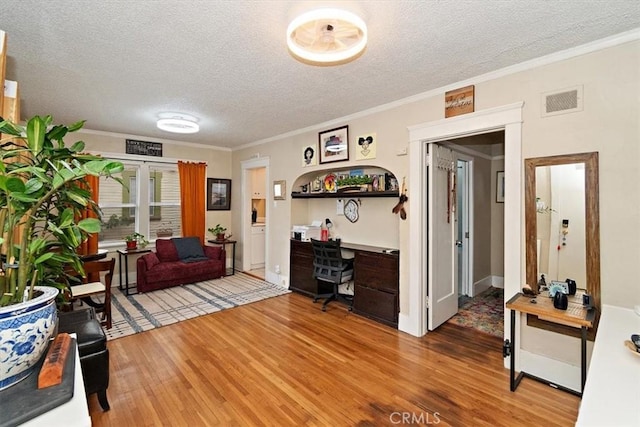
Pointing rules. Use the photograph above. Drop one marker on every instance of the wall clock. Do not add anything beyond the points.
(351, 210)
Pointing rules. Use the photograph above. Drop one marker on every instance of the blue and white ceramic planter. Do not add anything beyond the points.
(25, 330)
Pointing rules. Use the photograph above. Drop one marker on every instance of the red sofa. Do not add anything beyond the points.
(163, 268)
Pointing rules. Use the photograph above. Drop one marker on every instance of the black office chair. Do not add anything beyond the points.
(329, 267)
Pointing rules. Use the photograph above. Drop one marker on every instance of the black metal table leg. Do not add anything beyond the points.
(583, 359)
(512, 371)
(120, 271)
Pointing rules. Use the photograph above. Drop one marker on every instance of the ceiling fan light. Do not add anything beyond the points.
(336, 148)
(178, 124)
(325, 22)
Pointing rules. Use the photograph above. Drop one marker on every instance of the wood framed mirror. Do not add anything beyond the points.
(562, 226)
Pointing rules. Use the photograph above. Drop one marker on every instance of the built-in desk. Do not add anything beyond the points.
(376, 279)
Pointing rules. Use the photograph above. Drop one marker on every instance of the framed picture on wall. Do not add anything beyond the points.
(218, 194)
(334, 145)
(309, 156)
(500, 187)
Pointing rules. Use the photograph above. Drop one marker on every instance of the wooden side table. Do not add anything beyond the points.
(576, 315)
(125, 253)
(224, 244)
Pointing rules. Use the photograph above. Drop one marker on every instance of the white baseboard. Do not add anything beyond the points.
(554, 371)
(406, 325)
(484, 284)
(276, 279)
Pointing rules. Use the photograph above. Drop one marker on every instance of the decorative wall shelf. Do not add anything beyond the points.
(344, 195)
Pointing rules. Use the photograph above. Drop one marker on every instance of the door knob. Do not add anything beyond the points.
(459, 243)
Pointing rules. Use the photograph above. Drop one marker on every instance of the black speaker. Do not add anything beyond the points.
(560, 301)
(571, 286)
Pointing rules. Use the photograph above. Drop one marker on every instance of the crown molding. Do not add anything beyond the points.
(151, 139)
(559, 56)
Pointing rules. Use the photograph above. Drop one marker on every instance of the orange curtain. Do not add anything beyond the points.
(90, 246)
(192, 190)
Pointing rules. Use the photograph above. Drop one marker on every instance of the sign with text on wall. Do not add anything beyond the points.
(144, 148)
(459, 101)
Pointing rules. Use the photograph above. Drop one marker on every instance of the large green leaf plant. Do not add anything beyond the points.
(43, 194)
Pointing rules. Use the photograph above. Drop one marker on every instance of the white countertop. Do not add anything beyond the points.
(612, 393)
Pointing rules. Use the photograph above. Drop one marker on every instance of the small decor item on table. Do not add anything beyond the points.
(634, 344)
(219, 232)
(134, 240)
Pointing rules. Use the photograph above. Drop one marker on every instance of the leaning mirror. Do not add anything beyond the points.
(562, 221)
(279, 190)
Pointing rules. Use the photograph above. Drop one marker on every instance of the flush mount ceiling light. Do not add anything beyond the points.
(327, 36)
(178, 123)
(336, 148)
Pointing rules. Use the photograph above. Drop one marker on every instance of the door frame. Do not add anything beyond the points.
(507, 118)
(245, 217)
(467, 219)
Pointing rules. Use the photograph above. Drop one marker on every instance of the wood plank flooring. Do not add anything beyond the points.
(283, 362)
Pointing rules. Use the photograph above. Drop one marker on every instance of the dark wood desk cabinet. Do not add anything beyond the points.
(301, 267)
(376, 279)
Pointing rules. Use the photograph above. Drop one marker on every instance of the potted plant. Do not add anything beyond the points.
(43, 193)
(135, 239)
(218, 231)
(354, 183)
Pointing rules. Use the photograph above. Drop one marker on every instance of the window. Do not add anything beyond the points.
(159, 183)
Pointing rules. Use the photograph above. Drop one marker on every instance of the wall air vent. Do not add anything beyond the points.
(562, 102)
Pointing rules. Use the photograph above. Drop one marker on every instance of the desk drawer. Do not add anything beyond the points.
(378, 271)
(379, 305)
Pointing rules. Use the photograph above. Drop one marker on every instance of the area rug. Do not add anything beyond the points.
(484, 312)
(141, 312)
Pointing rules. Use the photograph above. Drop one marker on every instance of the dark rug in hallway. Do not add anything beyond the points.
(484, 312)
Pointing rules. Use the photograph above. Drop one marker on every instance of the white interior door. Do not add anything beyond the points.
(442, 251)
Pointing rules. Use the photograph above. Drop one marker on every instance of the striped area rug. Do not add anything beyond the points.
(142, 312)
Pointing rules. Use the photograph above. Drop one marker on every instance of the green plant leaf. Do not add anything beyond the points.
(44, 257)
(15, 185)
(76, 126)
(66, 218)
(90, 225)
(77, 147)
(36, 130)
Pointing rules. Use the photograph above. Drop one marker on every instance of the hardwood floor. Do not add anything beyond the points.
(282, 361)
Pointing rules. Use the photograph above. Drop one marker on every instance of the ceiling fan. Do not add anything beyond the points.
(327, 35)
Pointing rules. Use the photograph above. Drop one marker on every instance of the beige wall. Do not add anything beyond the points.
(609, 124)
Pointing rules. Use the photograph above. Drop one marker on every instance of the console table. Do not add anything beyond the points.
(124, 253)
(375, 277)
(224, 244)
(576, 315)
(611, 395)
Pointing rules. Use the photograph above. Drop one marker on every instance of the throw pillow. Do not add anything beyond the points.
(189, 249)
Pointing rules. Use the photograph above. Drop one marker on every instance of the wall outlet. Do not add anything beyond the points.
(339, 207)
(277, 269)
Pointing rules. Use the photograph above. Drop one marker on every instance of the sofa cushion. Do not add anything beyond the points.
(189, 249)
(166, 250)
(151, 260)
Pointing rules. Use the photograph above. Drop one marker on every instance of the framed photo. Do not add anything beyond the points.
(218, 194)
(500, 187)
(334, 145)
(309, 155)
(279, 190)
(366, 148)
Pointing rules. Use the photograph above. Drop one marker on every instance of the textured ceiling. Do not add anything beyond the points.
(118, 64)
